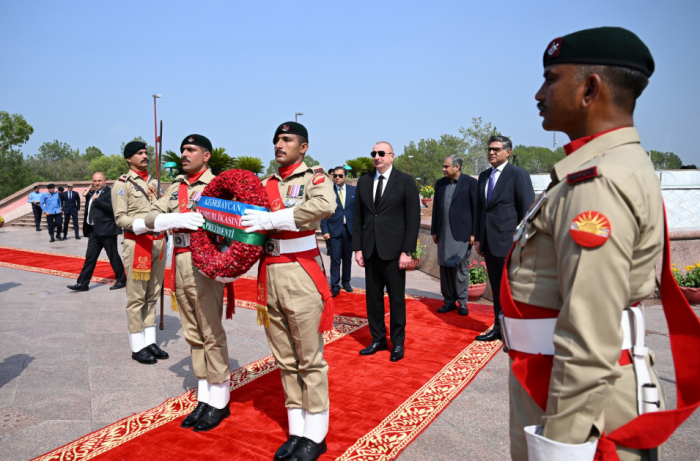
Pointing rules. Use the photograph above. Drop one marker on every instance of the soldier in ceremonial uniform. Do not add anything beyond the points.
(198, 298)
(144, 258)
(294, 300)
(582, 262)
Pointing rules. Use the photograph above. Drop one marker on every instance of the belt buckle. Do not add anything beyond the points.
(272, 247)
(181, 240)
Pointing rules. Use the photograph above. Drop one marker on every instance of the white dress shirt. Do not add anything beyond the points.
(94, 197)
(495, 177)
(376, 181)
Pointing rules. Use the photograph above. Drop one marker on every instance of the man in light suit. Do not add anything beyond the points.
(71, 206)
(505, 194)
(338, 231)
(385, 233)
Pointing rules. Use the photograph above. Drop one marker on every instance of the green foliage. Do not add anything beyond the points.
(477, 273)
(92, 153)
(112, 166)
(476, 138)
(665, 160)
(171, 156)
(253, 164)
(272, 168)
(428, 156)
(427, 191)
(420, 252)
(56, 151)
(690, 279)
(14, 130)
(310, 161)
(534, 159)
(220, 161)
(360, 166)
(13, 173)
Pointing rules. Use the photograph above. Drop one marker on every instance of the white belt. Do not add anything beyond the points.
(276, 247)
(536, 336)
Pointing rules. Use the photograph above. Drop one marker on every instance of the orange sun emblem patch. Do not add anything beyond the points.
(318, 179)
(590, 229)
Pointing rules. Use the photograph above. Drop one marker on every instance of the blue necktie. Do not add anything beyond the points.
(492, 184)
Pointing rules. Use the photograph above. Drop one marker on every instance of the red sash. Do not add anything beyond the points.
(649, 430)
(141, 266)
(307, 260)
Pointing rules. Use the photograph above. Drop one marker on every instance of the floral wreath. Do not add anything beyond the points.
(239, 186)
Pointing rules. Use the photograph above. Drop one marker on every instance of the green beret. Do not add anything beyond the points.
(291, 128)
(607, 46)
(196, 140)
(133, 147)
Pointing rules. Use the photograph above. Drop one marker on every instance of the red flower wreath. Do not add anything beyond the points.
(240, 186)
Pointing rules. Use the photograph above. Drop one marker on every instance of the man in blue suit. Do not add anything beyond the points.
(338, 229)
(71, 206)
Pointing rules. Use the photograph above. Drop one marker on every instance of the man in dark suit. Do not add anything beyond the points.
(71, 206)
(505, 194)
(338, 230)
(102, 231)
(385, 233)
(453, 229)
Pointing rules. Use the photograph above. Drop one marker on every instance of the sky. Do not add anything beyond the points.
(84, 72)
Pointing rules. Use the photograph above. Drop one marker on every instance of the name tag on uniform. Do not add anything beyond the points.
(174, 196)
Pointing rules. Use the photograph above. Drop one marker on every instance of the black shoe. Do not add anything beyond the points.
(447, 308)
(335, 292)
(38, 230)
(374, 348)
(288, 448)
(309, 450)
(118, 285)
(78, 287)
(492, 335)
(396, 353)
(463, 310)
(193, 417)
(65, 237)
(77, 237)
(52, 239)
(347, 288)
(211, 418)
(59, 238)
(157, 352)
(144, 356)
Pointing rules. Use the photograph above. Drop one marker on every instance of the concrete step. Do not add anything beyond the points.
(28, 221)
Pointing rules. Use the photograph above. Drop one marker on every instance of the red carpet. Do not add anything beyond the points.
(377, 407)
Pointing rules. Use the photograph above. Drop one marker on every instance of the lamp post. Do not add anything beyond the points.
(155, 124)
(296, 116)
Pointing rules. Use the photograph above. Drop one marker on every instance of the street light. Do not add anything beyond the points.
(409, 163)
(296, 116)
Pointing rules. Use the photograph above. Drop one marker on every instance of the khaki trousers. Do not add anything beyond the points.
(142, 295)
(621, 409)
(201, 306)
(295, 306)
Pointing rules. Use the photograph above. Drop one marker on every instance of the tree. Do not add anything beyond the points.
(56, 151)
(428, 156)
(665, 160)
(92, 153)
(253, 164)
(272, 168)
(219, 162)
(112, 166)
(477, 138)
(14, 130)
(360, 166)
(536, 160)
(310, 161)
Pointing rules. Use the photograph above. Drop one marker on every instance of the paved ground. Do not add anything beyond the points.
(66, 370)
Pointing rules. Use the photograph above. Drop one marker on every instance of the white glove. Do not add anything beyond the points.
(262, 220)
(139, 226)
(167, 221)
(540, 448)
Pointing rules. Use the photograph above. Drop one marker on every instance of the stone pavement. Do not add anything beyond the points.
(66, 369)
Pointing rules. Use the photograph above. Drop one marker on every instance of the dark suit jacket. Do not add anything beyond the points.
(510, 200)
(393, 228)
(73, 203)
(462, 210)
(334, 224)
(102, 215)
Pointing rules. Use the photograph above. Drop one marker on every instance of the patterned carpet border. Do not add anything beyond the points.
(400, 428)
(122, 431)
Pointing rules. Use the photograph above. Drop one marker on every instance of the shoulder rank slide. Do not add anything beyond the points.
(318, 170)
(122, 178)
(582, 175)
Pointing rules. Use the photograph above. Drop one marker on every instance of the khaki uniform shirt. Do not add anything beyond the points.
(169, 203)
(312, 202)
(590, 286)
(129, 202)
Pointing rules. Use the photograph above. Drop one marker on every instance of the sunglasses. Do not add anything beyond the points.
(381, 153)
(338, 175)
(494, 149)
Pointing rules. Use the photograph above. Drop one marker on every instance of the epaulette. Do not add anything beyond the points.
(122, 178)
(582, 175)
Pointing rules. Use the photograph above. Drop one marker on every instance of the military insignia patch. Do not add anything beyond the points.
(121, 192)
(590, 229)
(285, 128)
(318, 179)
(295, 191)
(582, 175)
(190, 139)
(554, 48)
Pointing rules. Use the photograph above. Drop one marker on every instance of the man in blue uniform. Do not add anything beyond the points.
(51, 205)
(35, 200)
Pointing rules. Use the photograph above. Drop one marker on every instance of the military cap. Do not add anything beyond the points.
(608, 46)
(60, 188)
(133, 147)
(291, 128)
(196, 140)
(51, 186)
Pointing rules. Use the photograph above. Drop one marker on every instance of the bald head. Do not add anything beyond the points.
(99, 181)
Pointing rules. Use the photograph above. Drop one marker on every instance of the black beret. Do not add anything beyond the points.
(196, 140)
(51, 186)
(291, 128)
(133, 147)
(608, 46)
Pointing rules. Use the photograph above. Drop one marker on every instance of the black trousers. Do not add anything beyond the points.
(94, 248)
(494, 265)
(341, 253)
(380, 273)
(37, 216)
(54, 220)
(68, 215)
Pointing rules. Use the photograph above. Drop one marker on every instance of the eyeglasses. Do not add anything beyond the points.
(495, 149)
(338, 175)
(381, 153)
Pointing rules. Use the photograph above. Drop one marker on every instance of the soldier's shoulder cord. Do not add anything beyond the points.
(139, 188)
